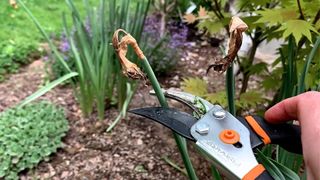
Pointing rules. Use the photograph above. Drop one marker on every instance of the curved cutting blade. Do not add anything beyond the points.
(175, 120)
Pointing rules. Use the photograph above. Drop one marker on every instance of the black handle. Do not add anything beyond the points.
(288, 136)
(264, 176)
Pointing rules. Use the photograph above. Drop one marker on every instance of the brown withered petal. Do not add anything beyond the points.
(129, 69)
(236, 28)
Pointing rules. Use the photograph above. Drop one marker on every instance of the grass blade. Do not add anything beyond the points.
(287, 173)
(307, 65)
(47, 88)
(44, 34)
(270, 167)
(174, 165)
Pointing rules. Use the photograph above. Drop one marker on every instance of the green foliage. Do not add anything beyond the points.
(15, 54)
(277, 16)
(195, 86)
(199, 87)
(162, 58)
(28, 135)
(276, 170)
(297, 28)
(98, 70)
(15, 24)
(47, 88)
(217, 98)
(250, 99)
(56, 70)
(267, 20)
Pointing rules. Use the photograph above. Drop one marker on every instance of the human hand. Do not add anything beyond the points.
(306, 109)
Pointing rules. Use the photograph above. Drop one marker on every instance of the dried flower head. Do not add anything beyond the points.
(236, 28)
(129, 69)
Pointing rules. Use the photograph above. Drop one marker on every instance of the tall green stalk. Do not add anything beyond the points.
(301, 87)
(162, 100)
(230, 88)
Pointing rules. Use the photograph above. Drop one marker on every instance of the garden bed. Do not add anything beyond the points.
(136, 147)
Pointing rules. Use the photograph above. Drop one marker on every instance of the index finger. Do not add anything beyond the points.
(283, 111)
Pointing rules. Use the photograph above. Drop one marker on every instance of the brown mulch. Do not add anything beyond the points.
(136, 147)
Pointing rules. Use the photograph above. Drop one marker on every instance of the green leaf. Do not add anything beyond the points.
(305, 71)
(310, 8)
(47, 88)
(195, 86)
(276, 16)
(317, 25)
(270, 167)
(272, 82)
(251, 21)
(255, 3)
(210, 26)
(297, 28)
(287, 173)
(250, 99)
(257, 68)
(217, 98)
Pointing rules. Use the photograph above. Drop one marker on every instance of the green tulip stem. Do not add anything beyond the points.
(181, 142)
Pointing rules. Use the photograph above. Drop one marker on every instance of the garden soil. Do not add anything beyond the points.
(135, 149)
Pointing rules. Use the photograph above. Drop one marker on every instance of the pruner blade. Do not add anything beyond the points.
(179, 122)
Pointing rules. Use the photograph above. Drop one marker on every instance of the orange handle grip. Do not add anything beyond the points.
(258, 173)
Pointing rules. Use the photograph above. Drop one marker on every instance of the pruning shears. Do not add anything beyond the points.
(228, 141)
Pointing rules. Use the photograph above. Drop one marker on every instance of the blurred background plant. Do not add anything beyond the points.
(20, 45)
(14, 54)
(164, 51)
(28, 135)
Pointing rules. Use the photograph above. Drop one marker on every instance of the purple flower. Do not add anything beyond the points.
(87, 26)
(64, 45)
(45, 58)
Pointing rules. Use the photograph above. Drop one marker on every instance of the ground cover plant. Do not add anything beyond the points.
(29, 134)
(16, 54)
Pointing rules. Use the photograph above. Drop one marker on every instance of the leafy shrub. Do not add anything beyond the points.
(163, 51)
(14, 54)
(162, 57)
(29, 134)
(298, 20)
(245, 101)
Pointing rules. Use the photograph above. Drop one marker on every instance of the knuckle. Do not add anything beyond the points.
(312, 95)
